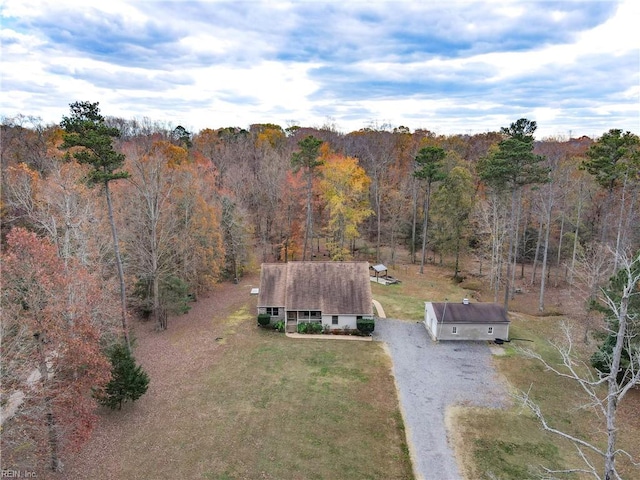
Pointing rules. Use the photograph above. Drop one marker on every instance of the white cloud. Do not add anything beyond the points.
(451, 67)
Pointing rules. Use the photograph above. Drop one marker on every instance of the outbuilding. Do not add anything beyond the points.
(466, 321)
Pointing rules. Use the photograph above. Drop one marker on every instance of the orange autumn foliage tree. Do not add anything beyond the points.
(197, 206)
(59, 205)
(344, 187)
(173, 222)
(52, 361)
(290, 216)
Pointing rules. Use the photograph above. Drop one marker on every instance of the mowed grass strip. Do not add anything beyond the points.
(405, 301)
(273, 407)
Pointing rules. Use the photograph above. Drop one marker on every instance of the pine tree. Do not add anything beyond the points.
(128, 380)
(308, 158)
(508, 169)
(430, 169)
(90, 140)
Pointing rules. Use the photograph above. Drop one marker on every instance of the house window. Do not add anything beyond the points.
(334, 320)
(454, 330)
(490, 330)
(273, 311)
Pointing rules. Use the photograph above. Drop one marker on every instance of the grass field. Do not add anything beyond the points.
(229, 400)
(405, 301)
(510, 444)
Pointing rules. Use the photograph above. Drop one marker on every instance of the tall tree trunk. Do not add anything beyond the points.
(457, 266)
(414, 221)
(545, 253)
(308, 231)
(496, 247)
(516, 231)
(535, 257)
(614, 393)
(525, 224)
(507, 288)
(575, 237)
(50, 421)
(425, 225)
(560, 248)
(378, 218)
(116, 248)
(543, 276)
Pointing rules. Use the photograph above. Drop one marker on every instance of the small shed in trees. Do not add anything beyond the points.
(466, 321)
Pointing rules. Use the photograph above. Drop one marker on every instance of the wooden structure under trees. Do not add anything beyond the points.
(380, 274)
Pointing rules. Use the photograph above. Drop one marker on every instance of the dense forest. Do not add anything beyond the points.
(108, 219)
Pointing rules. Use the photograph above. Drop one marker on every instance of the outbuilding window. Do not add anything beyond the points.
(454, 330)
(334, 320)
(490, 330)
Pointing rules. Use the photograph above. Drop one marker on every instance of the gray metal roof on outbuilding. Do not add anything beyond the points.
(470, 313)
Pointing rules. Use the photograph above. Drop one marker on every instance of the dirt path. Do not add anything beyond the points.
(379, 309)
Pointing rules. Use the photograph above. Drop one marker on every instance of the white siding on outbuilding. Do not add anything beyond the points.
(477, 321)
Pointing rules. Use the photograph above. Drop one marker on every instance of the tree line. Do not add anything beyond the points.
(123, 217)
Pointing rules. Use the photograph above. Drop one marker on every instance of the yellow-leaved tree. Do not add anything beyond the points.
(344, 189)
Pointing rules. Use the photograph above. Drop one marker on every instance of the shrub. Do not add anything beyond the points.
(128, 380)
(310, 328)
(264, 319)
(366, 325)
(279, 326)
(315, 328)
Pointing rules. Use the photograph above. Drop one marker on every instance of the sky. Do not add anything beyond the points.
(447, 66)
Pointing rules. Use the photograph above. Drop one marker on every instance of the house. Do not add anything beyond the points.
(466, 321)
(334, 294)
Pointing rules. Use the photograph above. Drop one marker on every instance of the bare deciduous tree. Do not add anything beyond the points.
(604, 390)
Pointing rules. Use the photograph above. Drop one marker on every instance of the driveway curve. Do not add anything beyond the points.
(430, 377)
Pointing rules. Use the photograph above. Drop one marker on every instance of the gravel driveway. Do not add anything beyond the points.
(430, 377)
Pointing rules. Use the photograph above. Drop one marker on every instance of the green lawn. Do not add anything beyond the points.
(405, 301)
(264, 407)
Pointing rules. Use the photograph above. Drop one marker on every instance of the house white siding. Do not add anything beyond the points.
(343, 321)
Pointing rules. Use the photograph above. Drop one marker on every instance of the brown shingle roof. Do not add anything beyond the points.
(470, 313)
(273, 285)
(330, 287)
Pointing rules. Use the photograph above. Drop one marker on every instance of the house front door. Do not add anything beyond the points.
(292, 322)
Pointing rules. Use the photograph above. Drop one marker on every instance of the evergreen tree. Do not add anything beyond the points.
(307, 158)
(429, 162)
(128, 380)
(614, 162)
(512, 166)
(91, 139)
